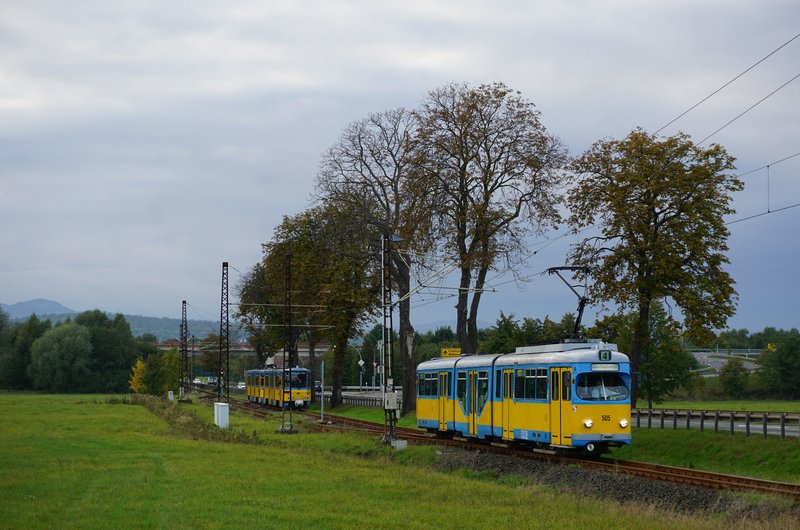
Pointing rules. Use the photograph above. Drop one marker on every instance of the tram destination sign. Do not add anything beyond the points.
(451, 352)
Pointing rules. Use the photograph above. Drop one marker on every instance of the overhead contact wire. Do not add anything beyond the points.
(684, 113)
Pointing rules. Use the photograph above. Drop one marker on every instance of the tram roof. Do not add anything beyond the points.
(261, 371)
(545, 353)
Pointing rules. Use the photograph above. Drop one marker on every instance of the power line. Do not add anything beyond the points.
(726, 84)
(770, 164)
(762, 214)
(749, 109)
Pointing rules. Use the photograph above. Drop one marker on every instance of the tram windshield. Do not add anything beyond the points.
(299, 379)
(601, 387)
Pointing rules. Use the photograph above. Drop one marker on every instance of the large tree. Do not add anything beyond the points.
(658, 205)
(61, 358)
(114, 350)
(497, 174)
(14, 364)
(733, 377)
(299, 247)
(258, 310)
(370, 172)
(333, 276)
(780, 366)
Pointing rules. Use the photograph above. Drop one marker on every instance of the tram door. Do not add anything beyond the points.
(442, 401)
(508, 432)
(560, 405)
(472, 400)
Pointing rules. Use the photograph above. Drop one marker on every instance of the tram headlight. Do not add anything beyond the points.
(588, 423)
(623, 423)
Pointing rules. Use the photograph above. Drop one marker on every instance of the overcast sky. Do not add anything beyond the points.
(143, 143)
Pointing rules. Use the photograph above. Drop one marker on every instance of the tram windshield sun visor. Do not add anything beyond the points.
(601, 387)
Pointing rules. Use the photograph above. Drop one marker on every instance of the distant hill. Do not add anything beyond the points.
(169, 328)
(163, 328)
(40, 306)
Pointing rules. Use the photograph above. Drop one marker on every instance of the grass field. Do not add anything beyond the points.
(82, 462)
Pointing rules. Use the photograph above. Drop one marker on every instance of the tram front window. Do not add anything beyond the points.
(601, 387)
(299, 380)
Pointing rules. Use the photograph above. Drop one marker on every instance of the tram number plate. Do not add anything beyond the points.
(606, 417)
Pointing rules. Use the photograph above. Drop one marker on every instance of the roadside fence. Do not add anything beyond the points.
(363, 401)
(783, 423)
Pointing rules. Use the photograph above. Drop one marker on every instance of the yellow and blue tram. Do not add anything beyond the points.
(572, 395)
(279, 387)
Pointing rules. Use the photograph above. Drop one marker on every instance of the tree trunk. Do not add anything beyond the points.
(461, 313)
(472, 320)
(641, 337)
(312, 359)
(340, 347)
(402, 277)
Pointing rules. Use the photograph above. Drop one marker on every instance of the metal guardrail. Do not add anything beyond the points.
(363, 401)
(787, 423)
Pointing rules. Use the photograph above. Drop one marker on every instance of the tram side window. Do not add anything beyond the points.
(461, 388)
(498, 384)
(483, 389)
(566, 386)
(554, 386)
(428, 385)
(536, 383)
(519, 383)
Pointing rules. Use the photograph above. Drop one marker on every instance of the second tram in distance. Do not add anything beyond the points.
(267, 386)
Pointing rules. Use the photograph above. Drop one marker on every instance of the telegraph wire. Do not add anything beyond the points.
(770, 164)
(749, 109)
(684, 113)
(762, 214)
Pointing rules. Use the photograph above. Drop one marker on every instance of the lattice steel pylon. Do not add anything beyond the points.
(389, 394)
(185, 382)
(286, 374)
(223, 386)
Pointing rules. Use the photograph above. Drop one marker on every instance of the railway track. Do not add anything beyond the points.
(706, 479)
(693, 477)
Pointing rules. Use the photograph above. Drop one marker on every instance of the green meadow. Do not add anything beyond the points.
(73, 461)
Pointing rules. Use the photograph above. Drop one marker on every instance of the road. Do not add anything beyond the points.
(717, 359)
